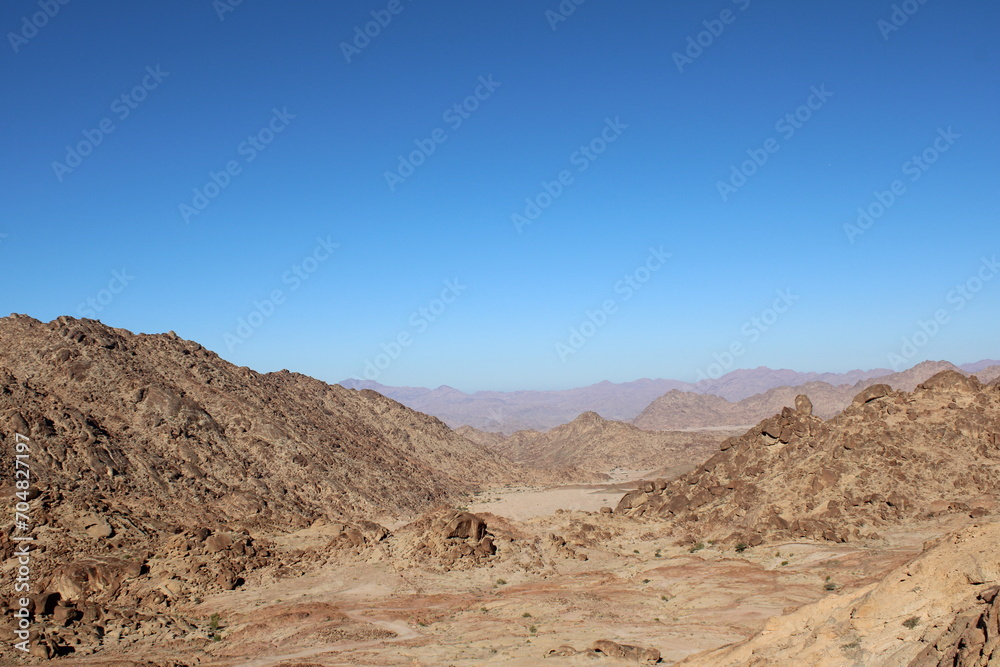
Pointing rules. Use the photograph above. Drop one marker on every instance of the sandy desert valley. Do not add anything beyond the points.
(187, 511)
(435, 333)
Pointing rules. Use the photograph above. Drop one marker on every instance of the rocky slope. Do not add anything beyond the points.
(942, 608)
(160, 416)
(160, 472)
(889, 457)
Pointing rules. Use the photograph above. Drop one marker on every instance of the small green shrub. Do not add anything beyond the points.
(697, 547)
(741, 547)
(525, 615)
(911, 622)
(830, 586)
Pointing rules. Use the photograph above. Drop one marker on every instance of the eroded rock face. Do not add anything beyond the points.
(972, 640)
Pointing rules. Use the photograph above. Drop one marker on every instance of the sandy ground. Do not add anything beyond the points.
(527, 502)
(636, 587)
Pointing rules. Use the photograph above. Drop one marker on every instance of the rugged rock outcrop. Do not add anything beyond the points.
(889, 457)
(942, 608)
(446, 539)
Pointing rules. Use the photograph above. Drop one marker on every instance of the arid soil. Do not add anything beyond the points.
(633, 588)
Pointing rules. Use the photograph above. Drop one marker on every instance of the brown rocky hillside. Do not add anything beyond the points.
(169, 429)
(160, 473)
(889, 457)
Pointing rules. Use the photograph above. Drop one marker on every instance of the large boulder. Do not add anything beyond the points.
(464, 525)
(872, 393)
(92, 576)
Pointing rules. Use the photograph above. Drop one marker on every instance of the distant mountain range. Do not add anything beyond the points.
(739, 397)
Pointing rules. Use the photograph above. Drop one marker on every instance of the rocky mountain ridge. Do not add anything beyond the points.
(891, 456)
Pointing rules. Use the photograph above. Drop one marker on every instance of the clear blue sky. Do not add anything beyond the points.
(206, 84)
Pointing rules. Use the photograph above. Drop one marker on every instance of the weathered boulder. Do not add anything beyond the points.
(92, 576)
(874, 392)
(638, 654)
(464, 525)
(218, 542)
